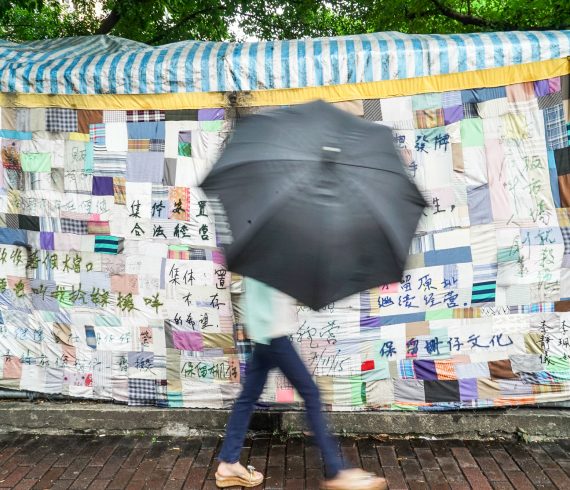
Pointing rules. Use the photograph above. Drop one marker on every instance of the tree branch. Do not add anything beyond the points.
(183, 20)
(109, 22)
(467, 19)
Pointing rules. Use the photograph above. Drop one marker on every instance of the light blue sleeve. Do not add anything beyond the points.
(258, 310)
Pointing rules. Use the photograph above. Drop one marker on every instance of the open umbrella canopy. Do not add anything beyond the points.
(317, 200)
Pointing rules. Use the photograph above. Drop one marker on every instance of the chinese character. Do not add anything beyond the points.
(425, 282)
(450, 299)
(188, 277)
(153, 302)
(180, 231)
(435, 202)
(441, 140)
(137, 230)
(173, 274)
(125, 302)
(178, 209)
(204, 232)
(135, 209)
(412, 347)
(215, 303)
(157, 208)
(201, 208)
(421, 142)
(406, 301)
(221, 274)
(158, 231)
(432, 346)
(204, 321)
(384, 301)
(388, 349)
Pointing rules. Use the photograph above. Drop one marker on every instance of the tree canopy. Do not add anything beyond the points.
(163, 21)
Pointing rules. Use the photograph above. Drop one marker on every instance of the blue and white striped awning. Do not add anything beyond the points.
(109, 65)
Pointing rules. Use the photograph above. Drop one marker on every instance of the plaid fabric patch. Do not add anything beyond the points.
(64, 120)
(198, 254)
(156, 145)
(142, 392)
(563, 217)
(550, 100)
(120, 190)
(550, 388)
(114, 116)
(428, 118)
(181, 115)
(97, 136)
(445, 370)
(372, 109)
(139, 145)
(470, 111)
(406, 369)
(145, 116)
(162, 393)
(76, 227)
(555, 127)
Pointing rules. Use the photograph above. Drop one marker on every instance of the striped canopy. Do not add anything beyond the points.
(110, 65)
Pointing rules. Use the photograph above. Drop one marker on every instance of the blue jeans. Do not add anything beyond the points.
(279, 354)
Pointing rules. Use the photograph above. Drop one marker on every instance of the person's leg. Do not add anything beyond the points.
(287, 359)
(256, 376)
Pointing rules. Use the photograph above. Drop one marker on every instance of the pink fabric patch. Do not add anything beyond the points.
(191, 341)
(285, 396)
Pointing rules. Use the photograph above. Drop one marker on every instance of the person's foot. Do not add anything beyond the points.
(235, 474)
(355, 479)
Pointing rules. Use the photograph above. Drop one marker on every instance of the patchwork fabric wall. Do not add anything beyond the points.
(111, 286)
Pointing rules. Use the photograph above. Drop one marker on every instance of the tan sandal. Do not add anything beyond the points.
(240, 481)
(355, 479)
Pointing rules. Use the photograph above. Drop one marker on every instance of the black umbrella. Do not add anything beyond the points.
(317, 201)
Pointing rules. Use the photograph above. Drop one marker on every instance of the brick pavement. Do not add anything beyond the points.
(113, 462)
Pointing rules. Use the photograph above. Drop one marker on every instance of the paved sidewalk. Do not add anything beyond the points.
(114, 462)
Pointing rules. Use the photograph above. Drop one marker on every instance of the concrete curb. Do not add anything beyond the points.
(99, 418)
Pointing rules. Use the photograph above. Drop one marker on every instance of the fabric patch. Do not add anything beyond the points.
(427, 101)
(179, 198)
(30, 223)
(468, 389)
(470, 111)
(550, 100)
(452, 114)
(445, 370)
(472, 132)
(474, 96)
(372, 109)
(181, 115)
(36, 162)
(142, 392)
(425, 370)
(169, 172)
(120, 190)
(61, 120)
(479, 202)
(146, 130)
(98, 227)
(501, 369)
(409, 390)
(428, 118)
(484, 292)
(520, 92)
(541, 88)
(144, 116)
(145, 167)
(185, 143)
(46, 240)
(555, 127)
(76, 227)
(441, 391)
(190, 341)
(11, 157)
(114, 116)
(109, 244)
(87, 117)
(103, 186)
(211, 114)
(139, 145)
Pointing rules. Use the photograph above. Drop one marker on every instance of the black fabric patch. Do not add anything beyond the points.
(562, 159)
(441, 391)
(31, 223)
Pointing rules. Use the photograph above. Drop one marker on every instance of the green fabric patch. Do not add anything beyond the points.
(211, 126)
(508, 254)
(472, 132)
(36, 162)
(427, 101)
(443, 314)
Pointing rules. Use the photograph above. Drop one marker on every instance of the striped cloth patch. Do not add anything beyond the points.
(98, 228)
(484, 292)
(109, 244)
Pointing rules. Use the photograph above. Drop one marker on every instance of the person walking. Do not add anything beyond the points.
(271, 317)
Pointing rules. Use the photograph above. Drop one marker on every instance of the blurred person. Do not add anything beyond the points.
(271, 318)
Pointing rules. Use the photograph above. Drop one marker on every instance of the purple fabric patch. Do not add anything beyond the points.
(541, 88)
(452, 114)
(191, 341)
(555, 85)
(103, 186)
(46, 240)
(210, 114)
(425, 370)
(468, 389)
